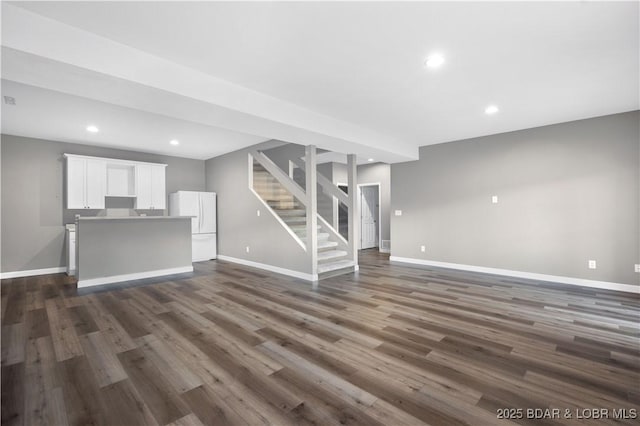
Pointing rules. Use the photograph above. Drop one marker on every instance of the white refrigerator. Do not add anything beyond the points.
(202, 207)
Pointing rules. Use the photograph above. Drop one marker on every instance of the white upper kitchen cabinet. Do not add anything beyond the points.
(151, 187)
(91, 179)
(86, 183)
(76, 179)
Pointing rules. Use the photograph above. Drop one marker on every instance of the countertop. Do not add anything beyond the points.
(83, 218)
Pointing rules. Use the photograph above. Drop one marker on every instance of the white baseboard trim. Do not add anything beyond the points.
(384, 250)
(33, 272)
(135, 276)
(276, 269)
(629, 288)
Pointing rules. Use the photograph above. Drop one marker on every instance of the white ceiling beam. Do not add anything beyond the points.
(46, 53)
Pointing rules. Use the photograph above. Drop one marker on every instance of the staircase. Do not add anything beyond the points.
(332, 260)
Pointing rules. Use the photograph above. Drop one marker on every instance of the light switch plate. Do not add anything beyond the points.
(637, 267)
(592, 264)
(258, 212)
(398, 212)
(494, 199)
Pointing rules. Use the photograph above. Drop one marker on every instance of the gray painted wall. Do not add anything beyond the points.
(325, 201)
(132, 245)
(239, 225)
(567, 193)
(281, 154)
(33, 215)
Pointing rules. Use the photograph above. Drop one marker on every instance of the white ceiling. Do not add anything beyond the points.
(46, 114)
(347, 76)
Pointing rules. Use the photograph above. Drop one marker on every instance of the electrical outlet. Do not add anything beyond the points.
(494, 199)
(423, 249)
(592, 264)
(637, 268)
(247, 249)
(258, 212)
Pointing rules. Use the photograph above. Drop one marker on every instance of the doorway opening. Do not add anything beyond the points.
(369, 208)
(342, 214)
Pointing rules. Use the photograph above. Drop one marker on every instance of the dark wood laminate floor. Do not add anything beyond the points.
(392, 345)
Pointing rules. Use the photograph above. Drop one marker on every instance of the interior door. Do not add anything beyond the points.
(207, 212)
(368, 217)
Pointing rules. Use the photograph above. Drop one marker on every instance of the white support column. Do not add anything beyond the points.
(354, 219)
(312, 206)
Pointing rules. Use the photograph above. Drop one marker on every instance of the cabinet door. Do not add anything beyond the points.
(71, 252)
(143, 187)
(96, 183)
(76, 171)
(158, 188)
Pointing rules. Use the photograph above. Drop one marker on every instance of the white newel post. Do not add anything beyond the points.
(352, 182)
(312, 206)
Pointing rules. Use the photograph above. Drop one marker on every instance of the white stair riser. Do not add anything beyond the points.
(331, 256)
(321, 237)
(326, 245)
(291, 212)
(301, 228)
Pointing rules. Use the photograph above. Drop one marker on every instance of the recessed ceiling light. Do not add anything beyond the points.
(93, 129)
(491, 109)
(370, 160)
(434, 61)
(174, 142)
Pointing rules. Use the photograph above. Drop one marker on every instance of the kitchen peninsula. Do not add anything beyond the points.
(116, 249)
